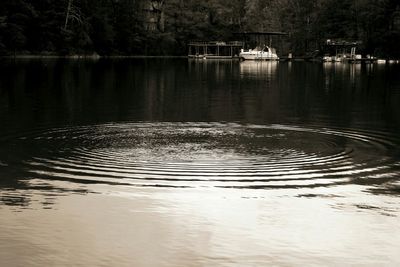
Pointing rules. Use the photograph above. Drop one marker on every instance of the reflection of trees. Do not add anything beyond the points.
(352, 91)
(18, 185)
(51, 91)
(10, 200)
(11, 189)
(235, 91)
(17, 188)
(23, 193)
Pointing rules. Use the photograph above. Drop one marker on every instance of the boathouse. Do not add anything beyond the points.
(215, 49)
(343, 51)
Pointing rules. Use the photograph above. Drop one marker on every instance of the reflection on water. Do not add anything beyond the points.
(209, 155)
(222, 162)
(258, 68)
(353, 71)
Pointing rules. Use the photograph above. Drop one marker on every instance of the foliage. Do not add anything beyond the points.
(162, 27)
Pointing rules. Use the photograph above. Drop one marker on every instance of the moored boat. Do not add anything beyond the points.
(258, 53)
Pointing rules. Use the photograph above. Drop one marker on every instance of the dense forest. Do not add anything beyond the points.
(164, 27)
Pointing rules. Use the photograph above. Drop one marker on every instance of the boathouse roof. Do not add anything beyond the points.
(341, 42)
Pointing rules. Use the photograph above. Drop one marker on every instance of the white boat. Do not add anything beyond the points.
(258, 53)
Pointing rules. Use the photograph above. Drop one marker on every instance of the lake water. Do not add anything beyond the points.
(135, 162)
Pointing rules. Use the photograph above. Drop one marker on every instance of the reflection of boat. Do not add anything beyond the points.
(258, 53)
(251, 67)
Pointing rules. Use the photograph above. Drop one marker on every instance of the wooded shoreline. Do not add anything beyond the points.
(38, 56)
(165, 27)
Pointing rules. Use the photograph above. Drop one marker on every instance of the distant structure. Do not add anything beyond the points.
(259, 38)
(229, 50)
(343, 51)
(215, 49)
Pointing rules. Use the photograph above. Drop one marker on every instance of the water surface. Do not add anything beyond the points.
(198, 163)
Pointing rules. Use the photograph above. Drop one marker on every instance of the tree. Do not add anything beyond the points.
(165, 27)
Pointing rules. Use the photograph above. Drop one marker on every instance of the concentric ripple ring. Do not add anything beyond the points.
(209, 155)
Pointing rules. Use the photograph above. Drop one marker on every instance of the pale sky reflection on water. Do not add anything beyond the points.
(206, 227)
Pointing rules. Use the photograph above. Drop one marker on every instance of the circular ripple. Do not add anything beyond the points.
(209, 155)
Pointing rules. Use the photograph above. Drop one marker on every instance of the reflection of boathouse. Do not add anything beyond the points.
(216, 49)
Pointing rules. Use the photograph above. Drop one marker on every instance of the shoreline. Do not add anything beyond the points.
(98, 57)
(94, 57)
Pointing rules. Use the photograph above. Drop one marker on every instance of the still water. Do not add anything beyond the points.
(198, 163)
